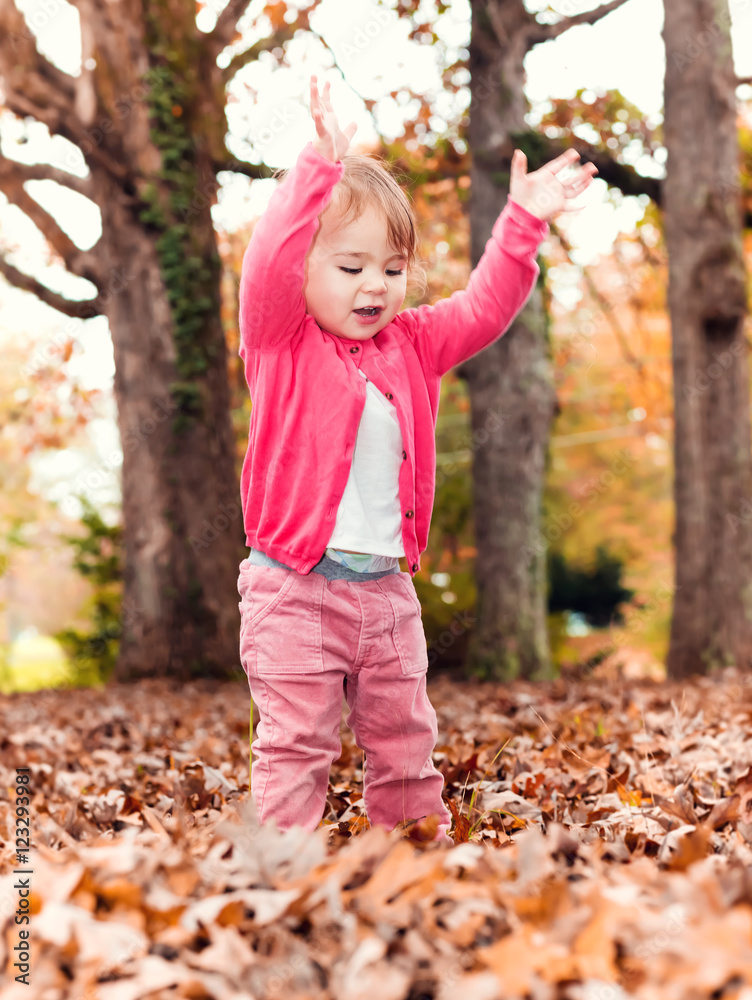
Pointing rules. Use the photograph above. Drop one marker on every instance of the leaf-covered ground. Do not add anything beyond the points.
(603, 849)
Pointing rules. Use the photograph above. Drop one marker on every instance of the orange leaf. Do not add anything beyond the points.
(461, 833)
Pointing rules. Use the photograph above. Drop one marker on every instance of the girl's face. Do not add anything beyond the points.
(355, 281)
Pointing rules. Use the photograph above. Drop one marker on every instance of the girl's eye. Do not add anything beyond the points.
(357, 270)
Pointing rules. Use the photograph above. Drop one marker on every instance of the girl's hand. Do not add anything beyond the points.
(541, 192)
(330, 140)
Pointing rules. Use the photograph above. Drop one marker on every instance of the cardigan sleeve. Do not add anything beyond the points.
(271, 299)
(469, 320)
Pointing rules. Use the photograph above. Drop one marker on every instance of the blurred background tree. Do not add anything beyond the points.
(708, 302)
(148, 122)
(597, 348)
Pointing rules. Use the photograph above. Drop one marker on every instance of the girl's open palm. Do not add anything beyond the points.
(330, 140)
(542, 193)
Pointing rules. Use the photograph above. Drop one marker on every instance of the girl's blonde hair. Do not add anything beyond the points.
(367, 181)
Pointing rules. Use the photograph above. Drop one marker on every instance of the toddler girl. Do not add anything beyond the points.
(338, 481)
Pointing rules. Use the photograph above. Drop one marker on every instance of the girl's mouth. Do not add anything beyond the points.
(368, 315)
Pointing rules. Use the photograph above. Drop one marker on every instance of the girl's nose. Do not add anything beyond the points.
(374, 281)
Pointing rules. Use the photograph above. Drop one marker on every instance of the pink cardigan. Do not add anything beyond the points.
(307, 395)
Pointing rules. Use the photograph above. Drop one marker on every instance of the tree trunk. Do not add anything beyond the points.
(712, 616)
(147, 113)
(183, 523)
(512, 379)
(181, 510)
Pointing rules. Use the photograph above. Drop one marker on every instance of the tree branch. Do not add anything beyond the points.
(79, 262)
(84, 309)
(369, 102)
(497, 23)
(46, 172)
(227, 24)
(538, 33)
(618, 175)
(18, 41)
(26, 72)
(609, 312)
(273, 41)
(252, 170)
(34, 87)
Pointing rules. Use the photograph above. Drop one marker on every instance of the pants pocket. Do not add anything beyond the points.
(409, 636)
(280, 621)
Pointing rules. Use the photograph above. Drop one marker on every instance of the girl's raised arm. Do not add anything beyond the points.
(272, 306)
(469, 320)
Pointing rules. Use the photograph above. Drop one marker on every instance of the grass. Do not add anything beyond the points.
(33, 663)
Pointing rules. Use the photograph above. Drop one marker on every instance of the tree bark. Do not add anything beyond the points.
(513, 378)
(147, 113)
(712, 615)
(181, 511)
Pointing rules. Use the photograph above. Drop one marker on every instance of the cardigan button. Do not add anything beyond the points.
(354, 350)
(389, 395)
(409, 513)
(415, 567)
(404, 455)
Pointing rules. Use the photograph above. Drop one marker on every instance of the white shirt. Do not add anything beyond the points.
(369, 517)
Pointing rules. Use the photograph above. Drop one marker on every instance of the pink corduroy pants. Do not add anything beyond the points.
(303, 638)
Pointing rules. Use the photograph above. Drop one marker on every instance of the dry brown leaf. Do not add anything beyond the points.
(601, 840)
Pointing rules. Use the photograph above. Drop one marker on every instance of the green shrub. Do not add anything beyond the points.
(99, 559)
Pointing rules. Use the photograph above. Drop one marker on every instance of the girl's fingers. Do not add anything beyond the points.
(581, 179)
(519, 164)
(565, 160)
